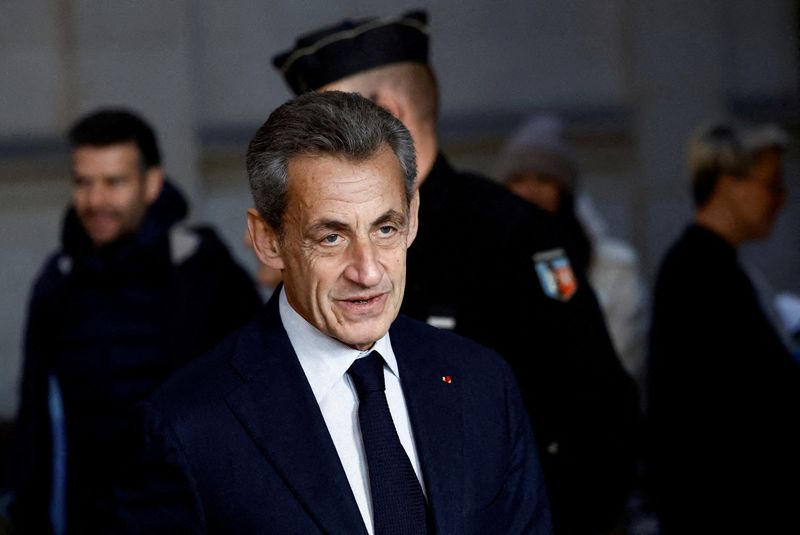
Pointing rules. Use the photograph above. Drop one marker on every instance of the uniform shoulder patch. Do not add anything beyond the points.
(555, 274)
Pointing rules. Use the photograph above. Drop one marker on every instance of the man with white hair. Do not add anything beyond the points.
(724, 390)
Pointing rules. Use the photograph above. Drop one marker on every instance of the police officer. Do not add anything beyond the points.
(488, 266)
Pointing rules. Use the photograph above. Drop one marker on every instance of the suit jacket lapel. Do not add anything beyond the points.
(434, 407)
(279, 411)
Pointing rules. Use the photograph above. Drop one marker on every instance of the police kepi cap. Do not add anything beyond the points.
(334, 52)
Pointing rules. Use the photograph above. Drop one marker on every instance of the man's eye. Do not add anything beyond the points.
(331, 239)
(387, 230)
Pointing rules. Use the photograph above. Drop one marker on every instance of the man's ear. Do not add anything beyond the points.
(153, 183)
(265, 240)
(413, 218)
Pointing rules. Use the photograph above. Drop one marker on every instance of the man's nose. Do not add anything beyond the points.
(95, 196)
(364, 267)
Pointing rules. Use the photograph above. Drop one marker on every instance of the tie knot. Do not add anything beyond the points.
(367, 374)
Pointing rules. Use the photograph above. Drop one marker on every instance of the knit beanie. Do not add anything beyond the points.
(540, 146)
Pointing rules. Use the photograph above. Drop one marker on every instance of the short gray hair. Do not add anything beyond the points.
(715, 150)
(325, 123)
(764, 137)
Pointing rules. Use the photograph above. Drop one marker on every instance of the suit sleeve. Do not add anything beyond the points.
(157, 493)
(524, 494)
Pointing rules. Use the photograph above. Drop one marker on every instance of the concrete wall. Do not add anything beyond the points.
(632, 77)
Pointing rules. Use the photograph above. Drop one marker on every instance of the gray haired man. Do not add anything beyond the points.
(329, 413)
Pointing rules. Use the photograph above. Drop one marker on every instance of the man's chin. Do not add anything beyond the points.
(101, 235)
(363, 338)
(100, 240)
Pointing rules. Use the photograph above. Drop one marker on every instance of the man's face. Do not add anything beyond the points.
(536, 188)
(110, 192)
(760, 195)
(343, 252)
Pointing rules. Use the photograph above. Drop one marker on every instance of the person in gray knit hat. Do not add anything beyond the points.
(538, 164)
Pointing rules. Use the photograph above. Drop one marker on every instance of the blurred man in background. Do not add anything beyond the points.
(130, 296)
(489, 266)
(724, 389)
(781, 307)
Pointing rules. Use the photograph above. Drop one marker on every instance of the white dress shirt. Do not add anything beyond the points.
(325, 362)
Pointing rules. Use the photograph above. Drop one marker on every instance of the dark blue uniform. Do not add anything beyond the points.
(473, 268)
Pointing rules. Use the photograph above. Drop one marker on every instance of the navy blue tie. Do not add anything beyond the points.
(398, 505)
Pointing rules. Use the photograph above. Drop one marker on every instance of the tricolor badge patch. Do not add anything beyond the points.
(555, 274)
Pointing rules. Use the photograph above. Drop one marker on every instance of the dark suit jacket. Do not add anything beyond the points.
(236, 443)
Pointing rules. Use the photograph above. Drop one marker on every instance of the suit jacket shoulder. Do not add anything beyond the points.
(416, 340)
(236, 442)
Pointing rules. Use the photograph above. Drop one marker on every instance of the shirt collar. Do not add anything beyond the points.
(324, 359)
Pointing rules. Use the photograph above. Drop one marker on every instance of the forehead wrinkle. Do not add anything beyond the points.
(327, 223)
(337, 197)
(328, 192)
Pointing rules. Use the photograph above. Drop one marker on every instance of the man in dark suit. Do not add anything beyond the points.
(329, 413)
(488, 266)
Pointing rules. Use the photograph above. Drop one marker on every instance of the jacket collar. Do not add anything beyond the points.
(301, 449)
(279, 411)
(434, 405)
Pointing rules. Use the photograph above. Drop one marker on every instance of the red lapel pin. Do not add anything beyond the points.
(447, 379)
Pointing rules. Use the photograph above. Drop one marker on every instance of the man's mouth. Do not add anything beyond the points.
(100, 216)
(363, 300)
(364, 304)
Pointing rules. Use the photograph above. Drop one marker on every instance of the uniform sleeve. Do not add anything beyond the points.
(584, 406)
(157, 494)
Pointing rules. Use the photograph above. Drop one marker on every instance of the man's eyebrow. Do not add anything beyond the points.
(333, 225)
(391, 216)
(327, 225)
